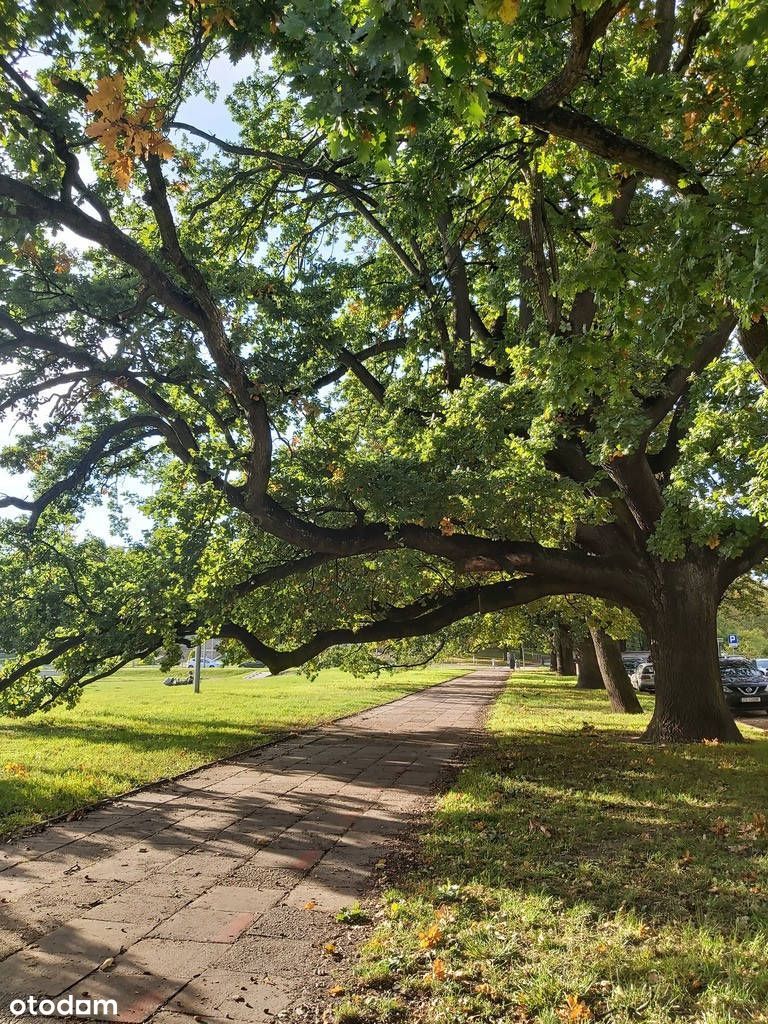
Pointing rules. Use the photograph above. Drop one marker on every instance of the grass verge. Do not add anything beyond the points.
(130, 730)
(572, 875)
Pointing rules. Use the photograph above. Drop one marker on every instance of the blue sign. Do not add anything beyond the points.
(733, 640)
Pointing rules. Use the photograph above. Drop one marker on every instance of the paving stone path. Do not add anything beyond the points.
(213, 897)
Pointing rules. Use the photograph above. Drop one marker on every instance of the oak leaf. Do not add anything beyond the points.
(575, 1010)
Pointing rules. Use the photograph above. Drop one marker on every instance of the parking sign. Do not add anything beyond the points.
(733, 640)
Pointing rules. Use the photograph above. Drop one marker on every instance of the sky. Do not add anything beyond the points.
(213, 117)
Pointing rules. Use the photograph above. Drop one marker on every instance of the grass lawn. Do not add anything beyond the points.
(572, 875)
(130, 730)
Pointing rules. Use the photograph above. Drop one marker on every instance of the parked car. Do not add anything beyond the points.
(745, 687)
(632, 659)
(643, 678)
(205, 662)
(762, 664)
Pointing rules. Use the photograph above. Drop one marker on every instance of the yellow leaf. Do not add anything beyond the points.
(508, 11)
(330, 947)
(162, 147)
(438, 969)
(224, 16)
(431, 937)
(108, 97)
(713, 542)
(122, 168)
(575, 1010)
(446, 527)
(310, 904)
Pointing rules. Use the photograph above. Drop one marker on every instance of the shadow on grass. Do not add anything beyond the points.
(588, 819)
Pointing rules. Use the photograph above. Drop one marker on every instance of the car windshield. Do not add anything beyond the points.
(741, 670)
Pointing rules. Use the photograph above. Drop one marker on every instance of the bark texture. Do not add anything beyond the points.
(690, 705)
(620, 692)
(566, 663)
(589, 676)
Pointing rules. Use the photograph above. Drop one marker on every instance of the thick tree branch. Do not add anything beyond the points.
(584, 34)
(753, 554)
(678, 379)
(409, 621)
(363, 374)
(754, 342)
(596, 138)
(110, 238)
(664, 27)
(38, 661)
(639, 489)
(370, 352)
(137, 428)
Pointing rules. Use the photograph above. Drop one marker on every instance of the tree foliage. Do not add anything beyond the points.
(468, 312)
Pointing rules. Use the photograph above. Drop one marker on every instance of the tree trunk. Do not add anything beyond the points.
(682, 630)
(588, 670)
(566, 666)
(553, 659)
(620, 692)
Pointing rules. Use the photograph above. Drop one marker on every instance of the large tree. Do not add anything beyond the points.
(467, 310)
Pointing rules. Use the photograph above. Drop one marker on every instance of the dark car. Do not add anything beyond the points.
(745, 687)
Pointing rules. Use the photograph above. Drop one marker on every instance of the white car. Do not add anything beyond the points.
(205, 662)
(643, 678)
(762, 664)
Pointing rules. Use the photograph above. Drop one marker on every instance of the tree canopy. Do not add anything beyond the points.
(467, 311)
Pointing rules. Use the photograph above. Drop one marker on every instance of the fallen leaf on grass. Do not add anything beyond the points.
(431, 937)
(438, 969)
(575, 1010)
(537, 826)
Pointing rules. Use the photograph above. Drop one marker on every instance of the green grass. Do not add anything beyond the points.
(130, 730)
(574, 875)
